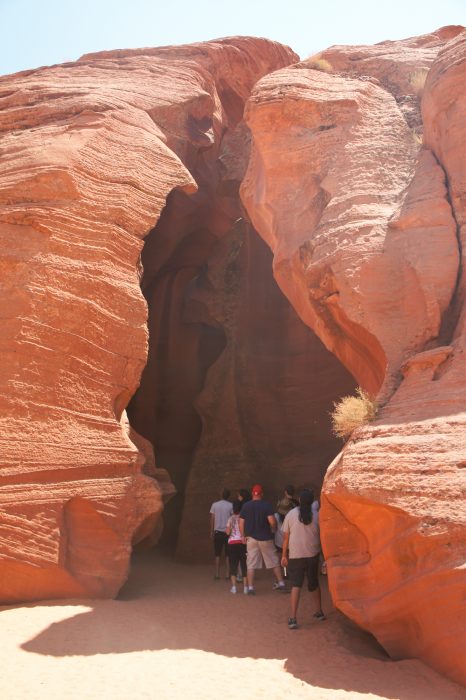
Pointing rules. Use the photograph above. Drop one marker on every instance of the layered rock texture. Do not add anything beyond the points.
(357, 187)
(89, 153)
(362, 203)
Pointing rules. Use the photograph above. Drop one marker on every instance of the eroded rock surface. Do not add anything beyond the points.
(236, 388)
(400, 67)
(363, 222)
(89, 153)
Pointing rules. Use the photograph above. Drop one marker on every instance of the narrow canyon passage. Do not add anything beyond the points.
(236, 388)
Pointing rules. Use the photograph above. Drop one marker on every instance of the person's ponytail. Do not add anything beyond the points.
(306, 498)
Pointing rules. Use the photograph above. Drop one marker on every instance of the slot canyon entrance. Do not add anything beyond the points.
(236, 389)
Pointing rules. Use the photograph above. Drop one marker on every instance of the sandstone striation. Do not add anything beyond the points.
(89, 153)
(363, 223)
(346, 249)
(358, 188)
(400, 67)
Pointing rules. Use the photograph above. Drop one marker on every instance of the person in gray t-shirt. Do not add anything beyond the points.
(301, 549)
(220, 512)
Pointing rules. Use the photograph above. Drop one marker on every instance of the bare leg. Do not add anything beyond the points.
(295, 593)
(251, 578)
(277, 572)
(316, 600)
(233, 580)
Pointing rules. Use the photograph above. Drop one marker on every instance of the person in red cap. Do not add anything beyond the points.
(257, 525)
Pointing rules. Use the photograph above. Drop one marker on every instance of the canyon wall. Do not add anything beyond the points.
(358, 188)
(90, 152)
(362, 202)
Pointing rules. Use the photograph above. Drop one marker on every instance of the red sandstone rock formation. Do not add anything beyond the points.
(363, 225)
(398, 66)
(90, 152)
(358, 217)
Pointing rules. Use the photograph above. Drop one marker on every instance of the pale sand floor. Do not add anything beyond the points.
(176, 633)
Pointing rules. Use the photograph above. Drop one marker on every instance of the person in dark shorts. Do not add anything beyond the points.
(301, 549)
(220, 511)
(236, 549)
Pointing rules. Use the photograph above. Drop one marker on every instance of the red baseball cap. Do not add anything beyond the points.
(257, 490)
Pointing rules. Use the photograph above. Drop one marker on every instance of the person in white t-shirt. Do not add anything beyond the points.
(301, 550)
(220, 512)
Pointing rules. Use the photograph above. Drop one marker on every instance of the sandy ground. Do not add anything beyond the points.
(176, 633)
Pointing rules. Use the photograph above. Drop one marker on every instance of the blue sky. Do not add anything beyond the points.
(38, 33)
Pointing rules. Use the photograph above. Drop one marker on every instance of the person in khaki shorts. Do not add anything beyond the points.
(257, 523)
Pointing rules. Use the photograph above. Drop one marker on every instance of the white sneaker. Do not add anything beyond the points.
(246, 590)
(233, 589)
(279, 586)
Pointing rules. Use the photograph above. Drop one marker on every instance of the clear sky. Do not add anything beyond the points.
(43, 32)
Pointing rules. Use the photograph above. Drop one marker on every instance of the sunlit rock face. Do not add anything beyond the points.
(357, 188)
(90, 152)
(364, 223)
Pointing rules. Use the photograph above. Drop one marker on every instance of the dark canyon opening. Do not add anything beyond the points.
(236, 389)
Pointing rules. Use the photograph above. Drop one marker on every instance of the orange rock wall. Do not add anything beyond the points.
(364, 224)
(367, 229)
(90, 152)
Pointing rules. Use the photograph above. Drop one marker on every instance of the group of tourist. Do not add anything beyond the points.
(285, 539)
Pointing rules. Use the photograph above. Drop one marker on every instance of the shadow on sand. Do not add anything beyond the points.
(167, 605)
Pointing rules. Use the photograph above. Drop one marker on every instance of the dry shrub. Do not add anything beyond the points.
(418, 138)
(351, 412)
(418, 80)
(317, 63)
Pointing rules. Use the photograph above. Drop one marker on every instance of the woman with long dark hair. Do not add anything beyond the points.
(236, 550)
(301, 549)
(244, 496)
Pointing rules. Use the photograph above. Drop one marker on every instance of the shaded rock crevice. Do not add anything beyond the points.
(451, 315)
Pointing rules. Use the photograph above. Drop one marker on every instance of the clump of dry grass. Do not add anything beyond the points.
(351, 412)
(418, 80)
(318, 63)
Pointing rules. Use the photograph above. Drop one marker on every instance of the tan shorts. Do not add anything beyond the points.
(261, 549)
